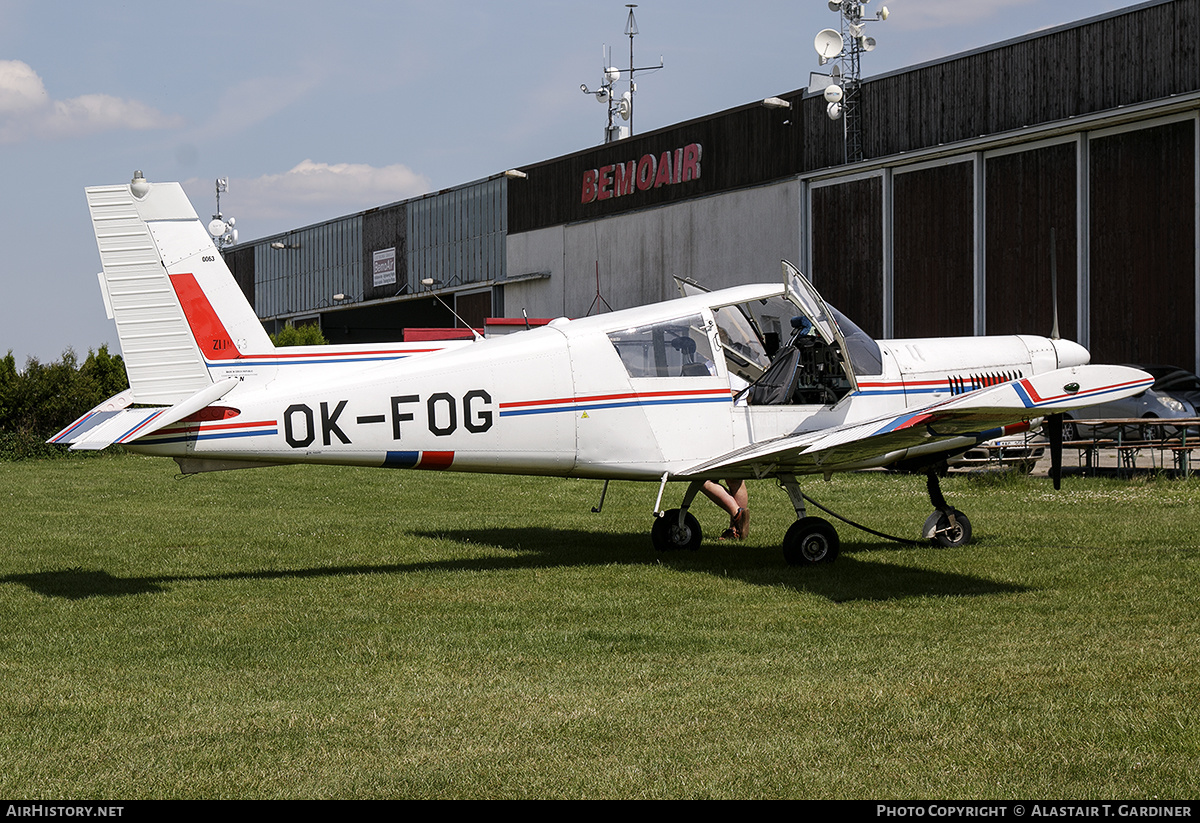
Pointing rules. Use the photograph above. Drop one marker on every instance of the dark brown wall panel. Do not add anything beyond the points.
(847, 249)
(1028, 194)
(932, 263)
(1143, 246)
(1140, 54)
(385, 228)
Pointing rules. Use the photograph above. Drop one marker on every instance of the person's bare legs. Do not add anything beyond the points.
(735, 501)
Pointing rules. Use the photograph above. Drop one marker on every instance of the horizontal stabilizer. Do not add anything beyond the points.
(188, 407)
(100, 429)
(114, 422)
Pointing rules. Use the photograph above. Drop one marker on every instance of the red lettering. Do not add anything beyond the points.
(645, 172)
(605, 183)
(649, 172)
(663, 177)
(626, 179)
(589, 185)
(691, 163)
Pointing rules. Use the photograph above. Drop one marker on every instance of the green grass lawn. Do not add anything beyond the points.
(325, 632)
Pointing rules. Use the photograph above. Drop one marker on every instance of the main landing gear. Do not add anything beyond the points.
(809, 540)
(677, 528)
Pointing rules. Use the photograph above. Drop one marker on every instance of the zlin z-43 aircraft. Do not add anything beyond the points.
(754, 381)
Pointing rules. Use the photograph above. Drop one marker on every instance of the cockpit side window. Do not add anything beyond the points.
(675, 348)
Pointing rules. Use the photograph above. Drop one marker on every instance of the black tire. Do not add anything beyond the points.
(667, 535)
(939, 530)
(810, 540)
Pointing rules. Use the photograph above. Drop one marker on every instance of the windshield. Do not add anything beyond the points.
(861, 348)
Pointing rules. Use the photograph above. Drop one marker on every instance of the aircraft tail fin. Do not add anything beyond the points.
(177, 306)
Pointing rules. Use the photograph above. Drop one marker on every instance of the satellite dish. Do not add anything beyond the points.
(217, 227)
(883, 13)
(835, 5)
(868, 43)
(612, 75)
(833, 93)
(625, 107)
(834, 110)
(828, 43)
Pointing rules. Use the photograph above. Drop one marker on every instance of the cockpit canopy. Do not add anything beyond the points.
(792, 347)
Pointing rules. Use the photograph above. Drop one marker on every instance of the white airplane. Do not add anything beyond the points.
(754, 381)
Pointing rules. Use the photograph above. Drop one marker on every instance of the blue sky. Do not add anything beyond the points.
(313, 112)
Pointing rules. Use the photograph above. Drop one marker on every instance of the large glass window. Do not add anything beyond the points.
(675, 348)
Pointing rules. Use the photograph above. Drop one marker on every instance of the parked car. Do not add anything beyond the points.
(1176, 382)
(1016, 451)
(1150, 405)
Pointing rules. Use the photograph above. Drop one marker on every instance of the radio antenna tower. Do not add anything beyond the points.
(842, 85)
(620, 107)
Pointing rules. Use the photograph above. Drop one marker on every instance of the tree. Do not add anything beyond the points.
(308, 334)
(46, 397)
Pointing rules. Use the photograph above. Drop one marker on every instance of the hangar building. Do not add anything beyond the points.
(1088, 133)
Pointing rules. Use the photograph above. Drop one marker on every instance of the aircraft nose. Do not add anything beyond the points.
(1070, 353)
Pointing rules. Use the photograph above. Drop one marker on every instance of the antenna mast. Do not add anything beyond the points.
(843, 82)
(622, 106)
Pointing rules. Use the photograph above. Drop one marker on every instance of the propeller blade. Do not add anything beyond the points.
(1054, 429)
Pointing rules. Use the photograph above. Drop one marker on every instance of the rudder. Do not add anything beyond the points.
(176, 305)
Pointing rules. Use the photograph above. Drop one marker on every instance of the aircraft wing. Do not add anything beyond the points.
(949, 425)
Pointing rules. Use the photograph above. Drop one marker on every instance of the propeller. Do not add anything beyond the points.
(1054, 429)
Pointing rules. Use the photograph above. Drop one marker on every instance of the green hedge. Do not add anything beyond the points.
(43, 398)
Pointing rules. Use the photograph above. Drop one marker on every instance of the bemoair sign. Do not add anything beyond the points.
(383, 264)
(650, 171)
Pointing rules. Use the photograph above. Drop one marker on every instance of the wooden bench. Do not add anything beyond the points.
(1129, 437)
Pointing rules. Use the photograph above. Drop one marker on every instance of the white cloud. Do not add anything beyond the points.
(311, 192)
(27, 110)
(21, 90)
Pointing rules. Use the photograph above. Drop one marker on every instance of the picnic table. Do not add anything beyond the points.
(1176, 438)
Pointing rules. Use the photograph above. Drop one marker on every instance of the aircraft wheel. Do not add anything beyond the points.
(938, 529)
(667, 535)
(810, 540)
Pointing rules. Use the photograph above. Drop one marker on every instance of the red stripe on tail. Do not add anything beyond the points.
(212, 338)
